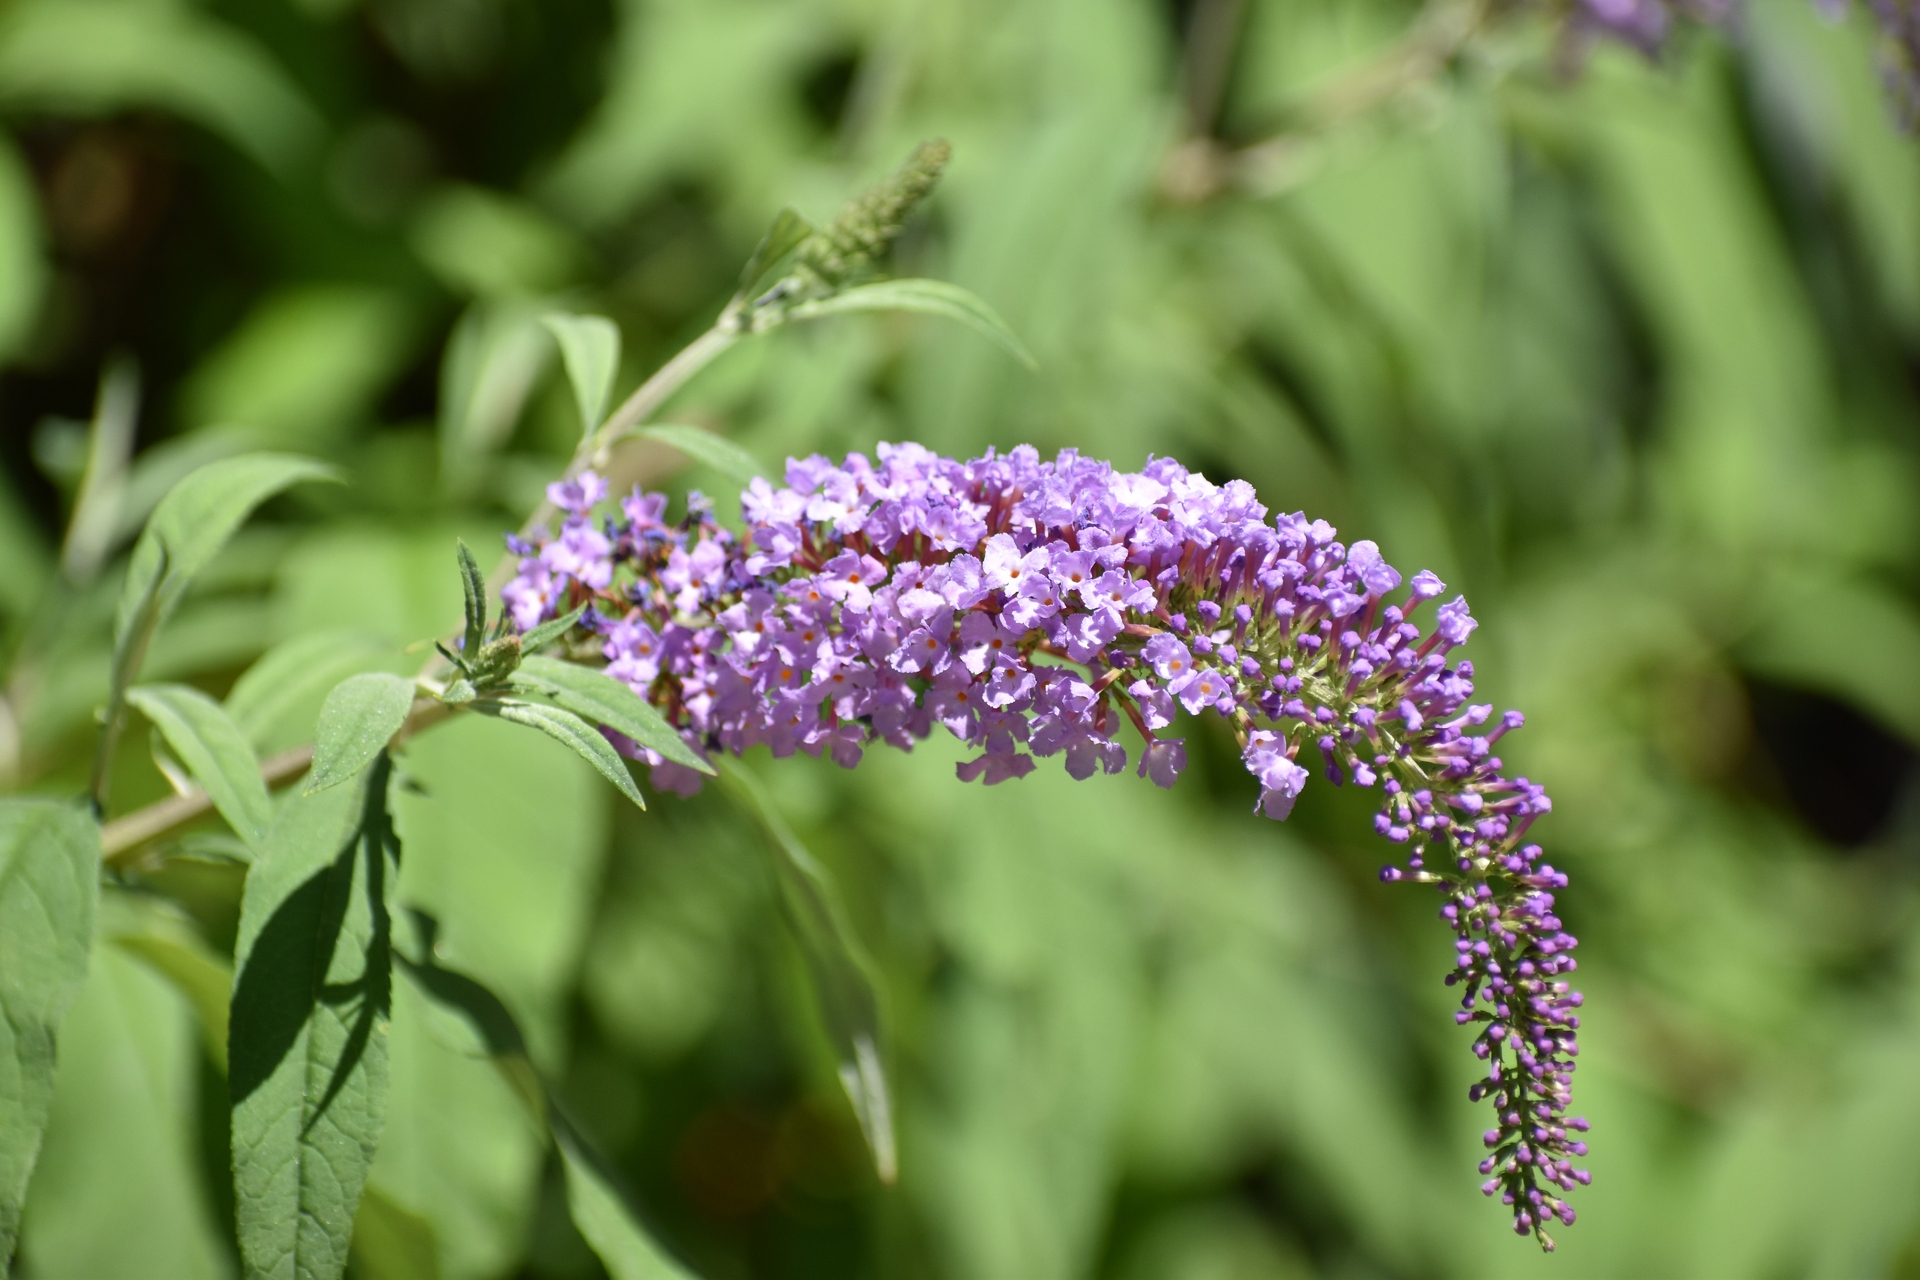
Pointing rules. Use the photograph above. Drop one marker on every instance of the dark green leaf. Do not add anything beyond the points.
(590, 348)
(592, 693)
(214, 750)
(788, 232)
(308, 1037)
(49, 886)
(287, 684)
(718, 452)
(842, 973)
(473, 590)
(935, 297)
(547, 632)
(357, 721)
(195, 520)
(564, 726)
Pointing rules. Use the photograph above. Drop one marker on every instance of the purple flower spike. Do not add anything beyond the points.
(1035, 608)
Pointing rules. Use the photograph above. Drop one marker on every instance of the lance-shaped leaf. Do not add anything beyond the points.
(564, 726)
(357, 721)
(788, 232)
(604, 1214)
(606, 1217)
(590, 348)
(935, 297)
(473, 591)
(214, 750)
(549, 631)
(49, 887)
(718, 452)
(592, 693)
(307, 1042)
(842, 974)
(194, 521)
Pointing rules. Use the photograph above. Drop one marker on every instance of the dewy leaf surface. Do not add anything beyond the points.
(49, 887)
(718, 452)
(842, 973)
(934, 297)
(599, 697)
(590, 349)
(358, 718)
(308, 1035)
(206, 740)
(564, 726)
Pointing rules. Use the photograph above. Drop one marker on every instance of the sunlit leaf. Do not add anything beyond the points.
(356, 722)
(718, 452)
(934, 297)
(308, 1037)
(590, 348)
(843, 976)
(563, 726)
(597, 696)
(214, 750)
(49, 885)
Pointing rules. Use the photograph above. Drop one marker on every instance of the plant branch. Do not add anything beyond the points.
(127, 836)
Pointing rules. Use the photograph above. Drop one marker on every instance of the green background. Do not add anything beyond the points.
(1628, 353)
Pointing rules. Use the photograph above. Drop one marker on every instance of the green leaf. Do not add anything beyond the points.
(718, 452)
(357, 721)
(214, 750)
(308, 1037)
(286, 686)
(605, 1216)
(391, 1241)
(788, 232)
(935, 297)
(590, 348)
(118, 1193)
(171, 948)
(592, 693)
(547, 632)
(842, 973)
(187, 530)
(49, 885)
(473, 590)
(564, 726)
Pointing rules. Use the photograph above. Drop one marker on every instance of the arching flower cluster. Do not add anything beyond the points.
(1039, 608)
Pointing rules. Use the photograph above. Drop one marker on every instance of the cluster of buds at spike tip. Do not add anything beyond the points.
(1038, 608)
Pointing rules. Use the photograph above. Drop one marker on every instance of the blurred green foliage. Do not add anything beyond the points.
(1628, 355)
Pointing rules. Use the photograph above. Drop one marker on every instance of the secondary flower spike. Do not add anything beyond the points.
(1036, 608)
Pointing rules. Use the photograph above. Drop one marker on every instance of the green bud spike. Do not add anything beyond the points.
(868, 226)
